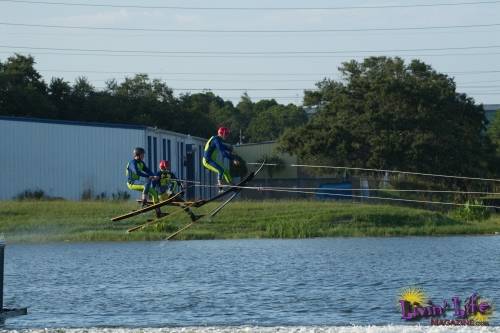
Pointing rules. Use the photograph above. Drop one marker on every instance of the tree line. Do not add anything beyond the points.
(388, 114)
(383, 113)
(139, 100)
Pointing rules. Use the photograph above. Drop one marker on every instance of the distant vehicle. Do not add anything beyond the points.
(334, 191)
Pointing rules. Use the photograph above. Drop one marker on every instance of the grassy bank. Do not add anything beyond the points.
(41, 221)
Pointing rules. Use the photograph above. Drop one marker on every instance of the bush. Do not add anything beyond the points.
(120, 195)
(87, 194)
(473, 211)
(238, 171)
(274, 164)
(31, 195)
(102, 196)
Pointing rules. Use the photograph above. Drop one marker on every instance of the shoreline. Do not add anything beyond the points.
(87, 221)
(368, 328)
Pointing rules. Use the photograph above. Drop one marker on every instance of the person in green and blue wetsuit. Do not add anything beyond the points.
(136, 169)
(215, 146)
(167, 183)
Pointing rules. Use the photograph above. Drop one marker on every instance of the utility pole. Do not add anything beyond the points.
(6, 313)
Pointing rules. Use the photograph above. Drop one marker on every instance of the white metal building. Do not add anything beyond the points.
(67, 158)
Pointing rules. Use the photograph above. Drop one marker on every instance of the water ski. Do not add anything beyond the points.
(235, 189)
(148, 208)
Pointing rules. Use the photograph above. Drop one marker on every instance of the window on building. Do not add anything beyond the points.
(155, 155)
(164, 148)
(149, 151)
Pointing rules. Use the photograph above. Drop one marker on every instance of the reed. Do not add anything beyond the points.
(47, 221)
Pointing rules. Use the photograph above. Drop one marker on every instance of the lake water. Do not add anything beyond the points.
(319, 284)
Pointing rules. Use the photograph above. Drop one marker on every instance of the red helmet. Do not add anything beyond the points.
(223, 131)
(164, 165)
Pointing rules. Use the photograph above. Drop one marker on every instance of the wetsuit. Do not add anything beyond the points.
(135, 170)
(167, 184)
(213, 146)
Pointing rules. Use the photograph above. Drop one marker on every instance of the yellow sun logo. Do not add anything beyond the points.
(478, 316)
(413, 295)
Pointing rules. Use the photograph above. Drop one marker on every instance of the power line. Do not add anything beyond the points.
(250, 31)
(475, 72)
(299, 90)
(277, 80)
(447, 4)
(232, 97)
(388, 171)
(313, 81)
(190, 73)
(229, 97)
(481, 81)
(292, 190)
(487, 86)
(233, 53)
(267, 57)
(216, 80)
(83, 72)
(240, 89)
(264, 89)
(237, 73)
(265, 188)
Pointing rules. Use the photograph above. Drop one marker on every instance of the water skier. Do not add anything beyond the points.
(167, 183)
(136, 169)
(213, 147)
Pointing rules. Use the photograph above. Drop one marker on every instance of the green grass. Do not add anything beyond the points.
(43, 221)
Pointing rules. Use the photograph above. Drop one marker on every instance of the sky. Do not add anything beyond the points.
(237, 57)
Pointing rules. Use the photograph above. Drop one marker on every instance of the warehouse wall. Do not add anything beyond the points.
(66, 159)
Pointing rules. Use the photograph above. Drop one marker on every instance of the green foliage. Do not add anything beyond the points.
(88, 195)
(22, 91)
(494, 132)
(38, 221)
(274, 164)
(139, 100)
(31, 195)
(291, 229)
(120, 196)
(391, 115)
(473, 211)
(239, 170)
(269, 123)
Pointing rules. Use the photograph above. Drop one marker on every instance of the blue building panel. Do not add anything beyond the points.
(77, 158)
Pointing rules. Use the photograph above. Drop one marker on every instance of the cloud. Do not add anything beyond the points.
(295, 18)
(151, 13)
(187, 20)
(96, 19)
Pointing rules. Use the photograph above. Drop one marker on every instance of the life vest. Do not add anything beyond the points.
(129, 172)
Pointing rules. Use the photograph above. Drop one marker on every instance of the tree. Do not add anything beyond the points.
(82, 87)
(22, 90)
(391, 115)
(269, 123)
(199, 111)
(494, 131)
(59, 92)
(274, 164)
